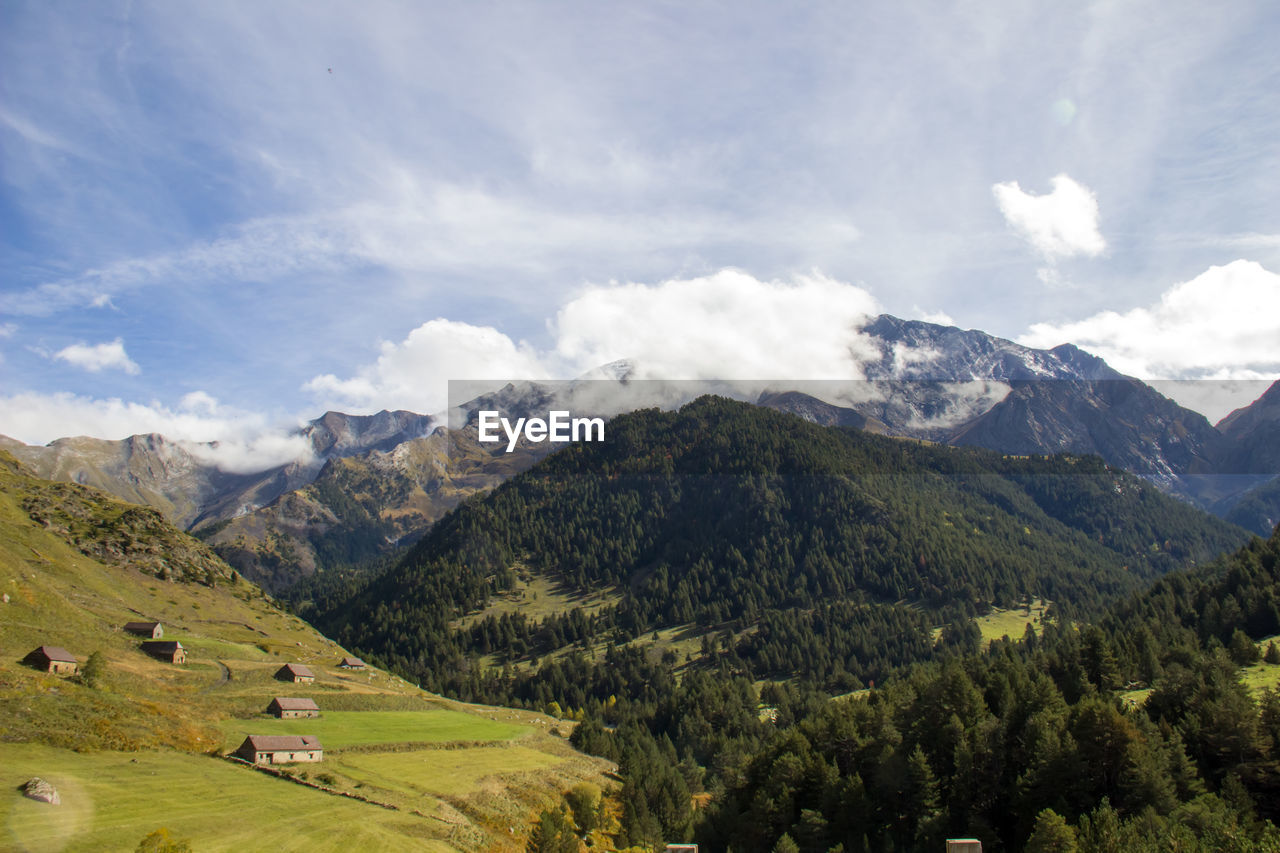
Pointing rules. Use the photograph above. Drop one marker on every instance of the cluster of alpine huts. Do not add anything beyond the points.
(290, 749)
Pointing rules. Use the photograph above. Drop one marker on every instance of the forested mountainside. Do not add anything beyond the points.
(1134, 733)
(728, 516)
(853, 549)
(983, 744)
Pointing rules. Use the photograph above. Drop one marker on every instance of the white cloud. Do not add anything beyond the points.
(232, 439)
(1224, 324)
(940, 318)
(99, 357)
(729, 325)
(1060, 224)
(414, 373)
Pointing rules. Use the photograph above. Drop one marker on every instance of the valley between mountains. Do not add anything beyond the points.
(988, 592)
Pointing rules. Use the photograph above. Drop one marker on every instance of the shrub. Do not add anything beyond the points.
(1273, 653)
(94, 670)
(161, 841)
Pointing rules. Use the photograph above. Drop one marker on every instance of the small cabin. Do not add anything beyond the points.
(285, 708)
(280, 749)
(295, 672)
(54, 659)
(151, 630)
(351, 663)
(170, 651)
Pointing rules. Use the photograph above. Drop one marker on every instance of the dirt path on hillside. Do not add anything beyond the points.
(223, 677)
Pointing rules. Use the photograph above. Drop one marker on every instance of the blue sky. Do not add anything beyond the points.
(221, 217)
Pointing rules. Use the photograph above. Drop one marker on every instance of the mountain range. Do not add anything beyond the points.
(373, 483)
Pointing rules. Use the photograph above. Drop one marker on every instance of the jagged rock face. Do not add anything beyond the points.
(915, 350)
(191, 492)
(335, 434)
(932, 380)
(1253, 436)
(1122, 420)
(145, 469)
(363, 505)
(969, 388)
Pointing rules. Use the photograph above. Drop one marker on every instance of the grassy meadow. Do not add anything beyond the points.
(339, 729)
(139, 748)
(111, 800)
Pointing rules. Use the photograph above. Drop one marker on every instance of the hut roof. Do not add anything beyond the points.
(281, 743)
(350, 661)
(141, 626)
(56, 653)
(295, 704)
(162, 645)
(297, 669)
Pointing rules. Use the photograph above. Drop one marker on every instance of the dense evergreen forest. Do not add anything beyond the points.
(820, 560)
(730, 516)
(1029, 745)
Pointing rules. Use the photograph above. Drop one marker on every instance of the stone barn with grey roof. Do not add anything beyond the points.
(54, 659)
(280, 749)
(286, 708)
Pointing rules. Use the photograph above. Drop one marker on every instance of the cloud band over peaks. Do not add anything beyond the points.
(728, 325)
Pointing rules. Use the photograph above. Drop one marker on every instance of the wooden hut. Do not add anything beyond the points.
(151, 630)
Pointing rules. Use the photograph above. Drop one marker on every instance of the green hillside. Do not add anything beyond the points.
(816, 551)
(133, 743)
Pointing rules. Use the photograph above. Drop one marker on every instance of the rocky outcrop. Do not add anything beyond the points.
(38, 789)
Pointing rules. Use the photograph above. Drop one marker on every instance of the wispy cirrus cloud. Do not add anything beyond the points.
(449, 229)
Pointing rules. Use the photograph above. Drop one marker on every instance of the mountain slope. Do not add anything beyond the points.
(1122, 420)
(184, 480)
(970, 388)
(1251, 453)
(363, 505)
(145, 469)
(76, 565)
(723, 512)
(989, 745)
